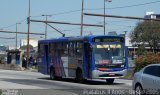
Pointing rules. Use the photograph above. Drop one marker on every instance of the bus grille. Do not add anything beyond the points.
(111, 75)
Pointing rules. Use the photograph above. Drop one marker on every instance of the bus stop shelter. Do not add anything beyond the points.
(14, 57)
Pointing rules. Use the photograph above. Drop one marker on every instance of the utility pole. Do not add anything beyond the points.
(28, 47)
(16, 34)
(46, 25)
(81, 34)
(104, 17)
(104, 14)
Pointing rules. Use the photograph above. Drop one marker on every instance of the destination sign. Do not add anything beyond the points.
(108, 40)
(109, 46)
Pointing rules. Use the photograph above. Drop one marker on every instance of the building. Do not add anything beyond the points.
(32, 41)
(152, 15)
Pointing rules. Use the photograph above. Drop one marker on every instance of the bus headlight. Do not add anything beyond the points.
(122, 66)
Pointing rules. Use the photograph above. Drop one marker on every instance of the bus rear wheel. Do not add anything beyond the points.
(52, 74)
(110, 81)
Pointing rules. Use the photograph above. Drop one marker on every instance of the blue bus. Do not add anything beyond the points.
(88, 57)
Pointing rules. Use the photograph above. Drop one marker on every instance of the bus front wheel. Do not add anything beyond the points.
(110, 81)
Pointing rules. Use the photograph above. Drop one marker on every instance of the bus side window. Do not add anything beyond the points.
(58, 49)
(51, 49)
(40, 49)
(55, 49)
(65, 49)
(79, 49)
(71, 49)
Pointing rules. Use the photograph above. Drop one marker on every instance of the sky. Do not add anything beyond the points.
(16, 11)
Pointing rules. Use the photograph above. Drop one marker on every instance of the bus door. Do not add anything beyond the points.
(88, 54)
(46, 59)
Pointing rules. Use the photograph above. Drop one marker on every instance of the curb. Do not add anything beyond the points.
(11, 67)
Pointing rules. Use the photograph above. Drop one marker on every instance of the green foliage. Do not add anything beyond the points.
(146, 59)
(146, 33)
(141, 50)
(2, 57)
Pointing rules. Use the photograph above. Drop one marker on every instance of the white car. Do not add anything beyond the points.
(147, 80)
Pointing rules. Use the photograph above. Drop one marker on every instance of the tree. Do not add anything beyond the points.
(147, 33)
(25, 47)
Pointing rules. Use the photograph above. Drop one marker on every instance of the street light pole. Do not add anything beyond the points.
(28, 47)
(46, 25)
(16, 34)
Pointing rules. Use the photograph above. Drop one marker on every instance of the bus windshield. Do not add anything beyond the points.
(108, 53)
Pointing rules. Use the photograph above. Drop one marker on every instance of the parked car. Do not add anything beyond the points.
(147, 80)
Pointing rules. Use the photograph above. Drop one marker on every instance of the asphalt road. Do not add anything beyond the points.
(34, 83)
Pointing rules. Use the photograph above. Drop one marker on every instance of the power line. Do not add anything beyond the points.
(115, 21)
(2, 31)
(120, 7)
(60, 13)
(21, 21)
(121, 25)
(7, 41)
(98, 22)
(6, 38)
(72, 11)
(71, 29)
(78, 10)
(67, 12)
(8, 26)
(119, 21)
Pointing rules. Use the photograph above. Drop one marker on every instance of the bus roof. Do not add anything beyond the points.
(65, 39)
(93, 36)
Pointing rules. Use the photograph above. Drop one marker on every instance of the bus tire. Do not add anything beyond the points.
(52, 74)
(79, 76)
(110, 81)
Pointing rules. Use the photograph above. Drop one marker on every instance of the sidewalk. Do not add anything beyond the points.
(31, 70)
(11, 67)
(16, 67)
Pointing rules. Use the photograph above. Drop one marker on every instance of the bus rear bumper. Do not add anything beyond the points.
(96, 74)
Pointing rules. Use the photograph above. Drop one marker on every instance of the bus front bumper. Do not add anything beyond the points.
(96, 74)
